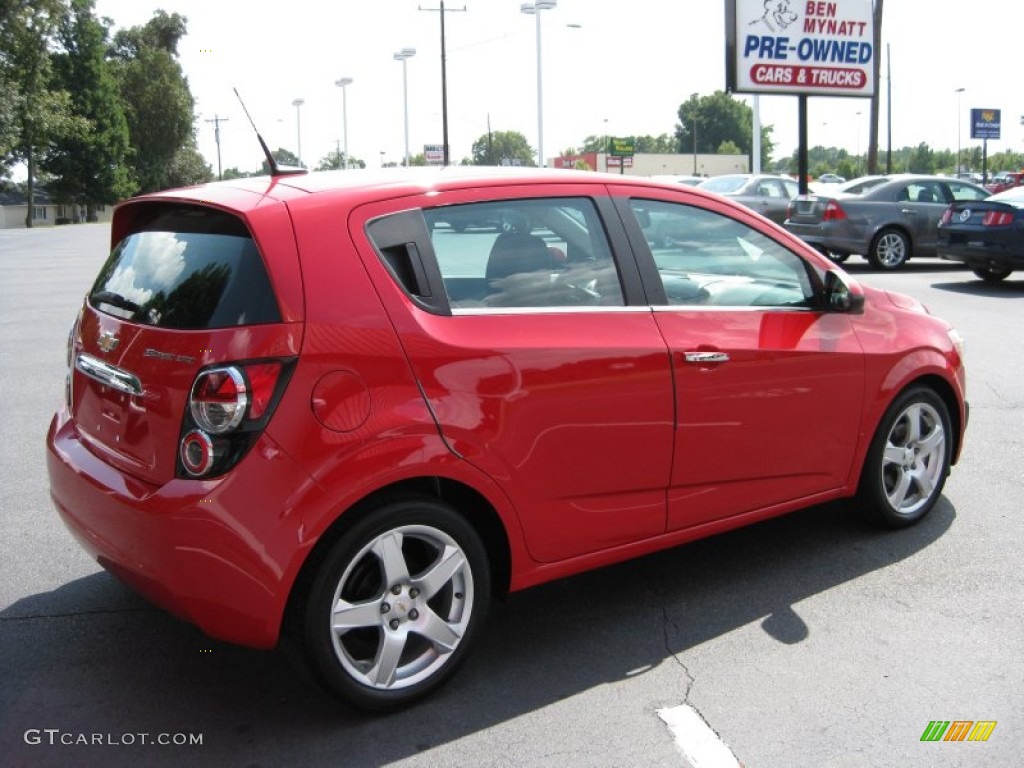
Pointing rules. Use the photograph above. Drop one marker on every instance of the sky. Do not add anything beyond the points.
(621, 69)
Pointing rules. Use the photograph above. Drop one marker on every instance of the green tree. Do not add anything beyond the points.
(705, 122)
(849, 169)
(594, 144)
(283, 157)
(188, 167)
(922, 160)
(335, 160)
(502, 148)
(89, 168)
(35, 111)
(665, 144)
(157, 101)
(1007, 160)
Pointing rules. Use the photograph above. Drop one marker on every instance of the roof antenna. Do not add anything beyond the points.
(275, 169)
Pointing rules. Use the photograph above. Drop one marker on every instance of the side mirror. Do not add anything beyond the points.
(841, 296)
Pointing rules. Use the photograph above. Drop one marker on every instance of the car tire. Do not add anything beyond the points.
(908, 460)
(836, 258)
(890, 249)
(993, 274)
(410, 583)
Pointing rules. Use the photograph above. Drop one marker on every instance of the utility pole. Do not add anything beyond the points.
(217, 120)
(444, 75)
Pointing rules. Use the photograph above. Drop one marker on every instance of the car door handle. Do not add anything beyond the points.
(706, 357)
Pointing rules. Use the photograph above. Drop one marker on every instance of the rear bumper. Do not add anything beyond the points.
(981, 256)
(221, 554)
(825, 238)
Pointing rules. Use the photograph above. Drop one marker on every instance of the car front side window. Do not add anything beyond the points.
(708, 259)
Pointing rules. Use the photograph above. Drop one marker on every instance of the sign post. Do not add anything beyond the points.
(621, 148)
(985, 125)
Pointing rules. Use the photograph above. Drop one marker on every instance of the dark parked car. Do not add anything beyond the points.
(296, 403)
(768, 195)
(986, 235)
(887, 224)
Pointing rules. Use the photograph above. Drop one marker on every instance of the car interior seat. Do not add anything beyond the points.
(516, 252)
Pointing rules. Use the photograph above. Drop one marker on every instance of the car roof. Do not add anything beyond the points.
(917, 179)
(363, 185)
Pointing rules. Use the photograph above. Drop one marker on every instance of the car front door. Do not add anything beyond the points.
(541, 362)
(768, 386)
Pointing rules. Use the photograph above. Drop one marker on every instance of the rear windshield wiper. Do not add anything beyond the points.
(114, 300)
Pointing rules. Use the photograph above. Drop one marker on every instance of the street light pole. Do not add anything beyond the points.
(343, 83)
(694, 143)
(298, 126)
(959, 164)
(403, 56)
(534, 9)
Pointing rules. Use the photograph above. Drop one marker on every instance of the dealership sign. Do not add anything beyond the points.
(811, 47)
(985, 123)
(434, 154)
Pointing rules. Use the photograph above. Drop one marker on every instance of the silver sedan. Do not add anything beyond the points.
(766, 194)
(887, 224)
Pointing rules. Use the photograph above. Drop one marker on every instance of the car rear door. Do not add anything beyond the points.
(527, 331)
(768, 387)
(921, 204)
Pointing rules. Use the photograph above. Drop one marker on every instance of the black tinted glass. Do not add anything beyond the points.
(170, 278)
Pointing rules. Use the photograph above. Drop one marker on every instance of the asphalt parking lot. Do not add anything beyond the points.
(810, 640)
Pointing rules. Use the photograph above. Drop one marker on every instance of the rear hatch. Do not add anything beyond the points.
(183, 289)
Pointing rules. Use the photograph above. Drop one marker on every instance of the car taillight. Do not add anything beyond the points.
(997, 219)
(833, 212)
(228, 408)
(69, 379)
(218, 400)
(946, 216)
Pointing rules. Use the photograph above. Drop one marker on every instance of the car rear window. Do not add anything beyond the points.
(186, 268)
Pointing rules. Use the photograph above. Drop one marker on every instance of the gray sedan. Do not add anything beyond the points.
(886, 224)
(768, 195)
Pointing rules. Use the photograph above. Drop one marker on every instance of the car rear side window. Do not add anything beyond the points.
(186, 267)
(537, 253)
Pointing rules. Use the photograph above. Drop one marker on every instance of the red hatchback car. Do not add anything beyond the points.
(310, 402)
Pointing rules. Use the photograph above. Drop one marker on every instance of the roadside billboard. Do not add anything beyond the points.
(810, 48)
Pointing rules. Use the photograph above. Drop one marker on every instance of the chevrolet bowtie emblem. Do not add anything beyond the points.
(107, 341)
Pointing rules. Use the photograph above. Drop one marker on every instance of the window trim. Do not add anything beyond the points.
(415, 230)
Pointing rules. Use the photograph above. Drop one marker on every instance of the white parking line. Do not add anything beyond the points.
(695, 739)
